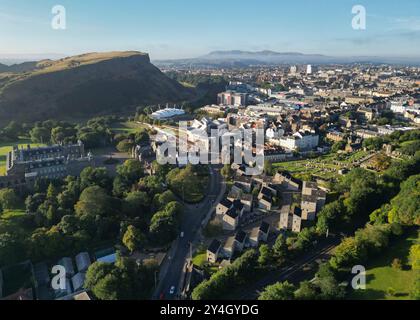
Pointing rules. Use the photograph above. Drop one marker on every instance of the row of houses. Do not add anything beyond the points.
(237, 243)
(294, 217)
(239, 202)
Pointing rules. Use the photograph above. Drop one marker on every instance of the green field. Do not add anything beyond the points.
(380, 276)
(128, 127)
(5, 148)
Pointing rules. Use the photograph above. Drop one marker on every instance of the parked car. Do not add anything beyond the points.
(172, 290)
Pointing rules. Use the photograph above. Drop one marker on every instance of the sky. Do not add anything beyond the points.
(172, 29)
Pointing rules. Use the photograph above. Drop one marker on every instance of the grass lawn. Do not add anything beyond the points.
(380, 275)
(200, 258)
(13, 222)
(128, 127)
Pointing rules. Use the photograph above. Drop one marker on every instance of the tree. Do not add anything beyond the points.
(52, 193)
(8, 199)
(12, 248)
(131, 170)
(32, 202)
(40, 134)
(163, 227)
(346, 253)
(101, 287)
(415, 290)
(306, 291)
(226, 171)
(339, 145)
(266, 255)
(231, 277)
(150, 184)
(280, 247)
(164, 198)
(411, 148)
(64, 133)
(47, 243)
(127, 174)
(125, 145)
(124, 280)
(405, 207)
(91, 176)
(69, 224)
(133, 238)
(136, 203)
(328, 217)
(391, 292)
(414, 257)
(94, 201)
(330, 288)
(189, 183)
(160, 170)
(141, 137)
(278, 291)
(268, 168)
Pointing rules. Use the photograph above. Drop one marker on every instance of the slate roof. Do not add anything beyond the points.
(214, 246)
(240, 236)
(264, 227)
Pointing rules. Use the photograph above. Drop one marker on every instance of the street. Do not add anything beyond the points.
(171, 270)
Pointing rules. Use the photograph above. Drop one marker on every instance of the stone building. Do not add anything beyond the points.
(25, 165)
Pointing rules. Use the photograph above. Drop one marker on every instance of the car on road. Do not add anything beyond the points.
(172, 290)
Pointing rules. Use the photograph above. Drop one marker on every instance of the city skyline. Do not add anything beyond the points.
(170, 30)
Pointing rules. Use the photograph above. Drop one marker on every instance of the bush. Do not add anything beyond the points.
(396, 264)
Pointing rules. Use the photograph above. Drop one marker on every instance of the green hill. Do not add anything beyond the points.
(86, 85)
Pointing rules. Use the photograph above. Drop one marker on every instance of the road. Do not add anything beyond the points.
(294, 272)
(171, 271)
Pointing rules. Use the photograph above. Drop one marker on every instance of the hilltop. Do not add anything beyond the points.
(85, 85)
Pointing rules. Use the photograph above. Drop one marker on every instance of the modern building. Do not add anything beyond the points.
(167, 113)
(232, 98)
(301, 140)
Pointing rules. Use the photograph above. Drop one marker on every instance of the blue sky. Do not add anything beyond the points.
(186, 28)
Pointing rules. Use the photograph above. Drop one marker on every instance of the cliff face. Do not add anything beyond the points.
(87, 85)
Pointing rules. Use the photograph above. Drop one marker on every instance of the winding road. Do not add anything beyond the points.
(172, 268)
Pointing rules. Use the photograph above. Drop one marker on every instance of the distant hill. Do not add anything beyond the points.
(85, 85)
(18, 67)
(239, 58)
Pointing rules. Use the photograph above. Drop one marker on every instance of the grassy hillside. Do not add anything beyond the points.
(87, 85)
(380, 275)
